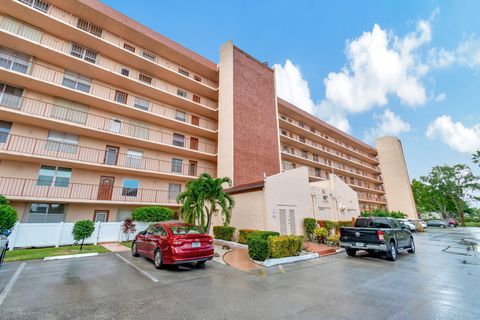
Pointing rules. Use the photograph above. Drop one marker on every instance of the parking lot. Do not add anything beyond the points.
(439, 282)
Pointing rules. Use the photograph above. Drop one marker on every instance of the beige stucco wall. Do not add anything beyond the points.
(248, 212)
(395, 176)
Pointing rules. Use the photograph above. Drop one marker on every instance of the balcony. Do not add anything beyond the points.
(92, 124)
(60, 22)
(18, 147)
(29, 190)
(371, 198)
(322, 175)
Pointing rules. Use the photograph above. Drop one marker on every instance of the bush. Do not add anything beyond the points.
(152, 214)
(284, 246)
(82, 230)
(258, 244)
(309, 225)
(223, 232)
(320, 234)
(243, 234)
(8, 218)
(383, 213)
(3, 200)
(327, 224)
(334, 239)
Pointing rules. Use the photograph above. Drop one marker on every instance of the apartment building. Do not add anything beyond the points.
(99, 115)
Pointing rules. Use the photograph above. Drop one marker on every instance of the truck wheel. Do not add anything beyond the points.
(412, 246)
(392, 252)
(351, 252)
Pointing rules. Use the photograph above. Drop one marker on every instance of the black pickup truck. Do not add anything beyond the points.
(375, 235)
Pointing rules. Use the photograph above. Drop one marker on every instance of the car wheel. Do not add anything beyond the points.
(392, 252)
(351, 252)
(412, 246)
(157, 259)
(134, 249)
(442, 226)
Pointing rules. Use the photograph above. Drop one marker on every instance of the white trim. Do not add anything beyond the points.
(11, 282)
(71, 256)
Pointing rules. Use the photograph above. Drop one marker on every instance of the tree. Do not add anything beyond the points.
(128, 227)
(456, 183)
(201, 198)
(82, 230)
(476, 157)
(428, 199)
(8, 218)
(3, 200)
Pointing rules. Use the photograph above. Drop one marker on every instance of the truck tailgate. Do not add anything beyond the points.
(367, 235)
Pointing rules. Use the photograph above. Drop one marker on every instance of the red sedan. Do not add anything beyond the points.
(173, 243)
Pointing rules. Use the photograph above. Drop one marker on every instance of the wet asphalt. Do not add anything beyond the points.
(440, 281)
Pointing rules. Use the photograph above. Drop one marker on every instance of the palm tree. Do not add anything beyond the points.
(476, 157)
(201, 198)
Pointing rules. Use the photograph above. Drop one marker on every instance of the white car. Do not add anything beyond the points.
(3, 247)
(422, 223)
(411, 226)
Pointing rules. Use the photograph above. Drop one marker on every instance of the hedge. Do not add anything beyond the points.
(383, 213)
(284, 246)
(258, 244)
(243, 234)
(309, 225)
(152, 214)
(334, 225)
(223, 232)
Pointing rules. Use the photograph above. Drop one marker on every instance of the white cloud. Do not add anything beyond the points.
(380, 65)
(440, 97)
(388, 124)
(467, 53)
(455, 134)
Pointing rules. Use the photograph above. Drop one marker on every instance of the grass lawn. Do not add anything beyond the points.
(40, 253)
(127, 243)
(472, 224)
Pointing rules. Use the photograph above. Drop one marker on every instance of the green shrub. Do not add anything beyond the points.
(347, 223)
(8, 218)
(258, 244)
(309, 225)
(383, 213)
(284, 246)
(223, 232)
(334, 239)
(3, 200)
(327, 224)
(472, 224)
(152, 214)
(243, 234)
(82, 230)
(320, 233)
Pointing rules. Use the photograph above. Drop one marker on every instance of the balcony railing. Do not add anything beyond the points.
(311, 171)
(38, 147)
(19, 188)
(56, 76)
(92, 121)
(370, 197)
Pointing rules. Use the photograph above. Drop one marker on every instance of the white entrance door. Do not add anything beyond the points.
(287, 220)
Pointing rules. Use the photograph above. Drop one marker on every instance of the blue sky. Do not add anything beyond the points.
(405, 68)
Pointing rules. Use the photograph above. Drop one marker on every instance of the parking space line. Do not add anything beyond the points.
(10, 283)
(148, 275)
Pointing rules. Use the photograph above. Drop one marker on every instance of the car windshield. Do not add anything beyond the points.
(185, 230)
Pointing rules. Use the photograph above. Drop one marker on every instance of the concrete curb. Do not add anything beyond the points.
(231, 244)
(274, 262)
(71, 256)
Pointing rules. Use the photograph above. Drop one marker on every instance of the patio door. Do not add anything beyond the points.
(193, 143)
(287, 220)
(105, 189)
(111, 155)
(101, 216)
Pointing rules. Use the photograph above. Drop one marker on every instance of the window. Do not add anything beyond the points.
(37, 4)
(22, 29)
(10, 96)
(123, 214)
(115, 125)
(182, 93)
(301, 124)
(4, 130)
(69, 111)
(177, 165)
(129, 47)
(312, 129)
(125, 72)
(148, 55)
(53, 176)
(45, 213)
(184, 72)
(305, 153)
(61, 142)
(302, 139)
(197, 78)
(318, 172)
(83, 53)
(144, 78)
(158, 231)
(178, 140)
(138, 129)
(186, 230)
(120, 97)
(90, 27)
(196, 98)
(315, 157)
(101, 216)
(76, 81)
(130, 187)
(141, 104)
(180, 116)
(173, 190)
(284, 132)
(134, 159)
(15, 61)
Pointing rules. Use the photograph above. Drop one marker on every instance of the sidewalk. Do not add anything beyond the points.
(114, 247)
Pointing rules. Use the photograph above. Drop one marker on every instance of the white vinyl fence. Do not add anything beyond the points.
(59, 234)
